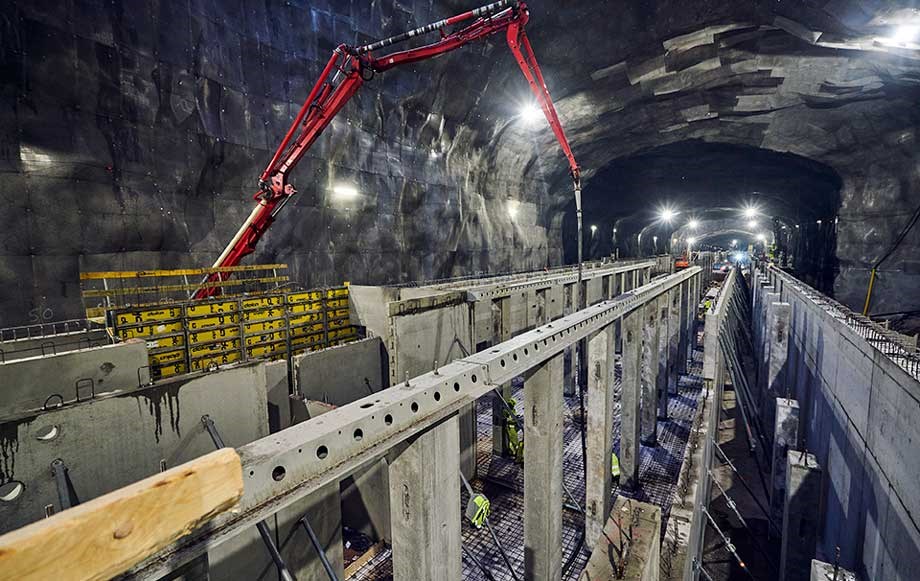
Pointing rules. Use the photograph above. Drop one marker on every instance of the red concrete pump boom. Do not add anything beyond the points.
(348, 68)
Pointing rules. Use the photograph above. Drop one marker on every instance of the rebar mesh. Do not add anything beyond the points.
(502, 481)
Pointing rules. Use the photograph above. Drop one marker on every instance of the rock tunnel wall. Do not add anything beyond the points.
(133, 134)
(133, 137)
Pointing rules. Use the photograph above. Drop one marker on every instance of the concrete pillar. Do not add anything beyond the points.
(633, 530)
(649, 404)
(569, 370)
(501, 331)
(664, 309)
(801, 516)
(600, 402)
(683, 327)
(424, 475)
(630, 397)
(779, 341)
(785, 438)
(674, 368)
(821, 571)
(778, 328)
(542, 473)
(635, 279)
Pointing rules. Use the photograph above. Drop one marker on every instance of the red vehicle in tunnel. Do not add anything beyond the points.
(347, 69)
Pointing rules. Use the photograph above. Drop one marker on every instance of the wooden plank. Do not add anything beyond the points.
(99, 275)
(108, 535)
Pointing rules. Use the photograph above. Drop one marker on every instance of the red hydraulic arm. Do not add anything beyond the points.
(346, 71)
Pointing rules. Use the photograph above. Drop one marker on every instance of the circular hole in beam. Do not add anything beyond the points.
(322, 452)
(278, 473)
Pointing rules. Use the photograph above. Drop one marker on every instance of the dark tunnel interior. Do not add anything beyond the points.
(713, 187)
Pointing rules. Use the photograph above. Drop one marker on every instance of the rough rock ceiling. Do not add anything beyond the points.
(132, 137)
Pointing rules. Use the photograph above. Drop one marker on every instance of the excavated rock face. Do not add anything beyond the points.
(133, 137)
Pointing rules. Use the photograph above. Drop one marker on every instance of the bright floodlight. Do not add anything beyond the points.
(691, 240)
(750, 212)
(734, 243)
(593, 228)
(694, 224)
(345, 191)
(512, 209)
(531, 114)
(739, 257)
(762, 237)
(906, 34)
(752, 224)
(667, 214)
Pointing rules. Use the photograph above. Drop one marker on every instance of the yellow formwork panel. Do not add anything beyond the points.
(307, 318)
(337, 303)
(338, 324)
(307, 340)
(163, 371)
(147, 316)
(334, 293)
(267, 350)
(202, 309)
(337, 313)
(306, 307)
(263, 326)
(306, 330)
(266, 338)
(275, 313)
(168, 341)
(167, 357)
(343, 333)
(222, 359)
(149, 330)
(303, 297)
(213, 335)
(263, 302)
(211, 322)
(213, 348)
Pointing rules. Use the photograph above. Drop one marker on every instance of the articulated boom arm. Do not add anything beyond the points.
(348, 69)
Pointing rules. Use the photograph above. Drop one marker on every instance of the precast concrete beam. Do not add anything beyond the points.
(785, 439)
(316, 452)
(631, 396)
(778, 329)
(543, 406)
(424, 476)
(686, 308)
(801, 516)
(600, 404)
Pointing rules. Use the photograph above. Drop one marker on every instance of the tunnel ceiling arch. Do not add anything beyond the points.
(154, 124)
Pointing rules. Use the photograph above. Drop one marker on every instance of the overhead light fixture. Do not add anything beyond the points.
(906, 34)
(667, 214)
(750, 212)
(614, 230)
(593, 228)
(762, 237)
(345, 191)
(752, 224)
(734, 243)
(513, 208)
(531, 114)
(691, 240)
(694, 224)
(818, 222)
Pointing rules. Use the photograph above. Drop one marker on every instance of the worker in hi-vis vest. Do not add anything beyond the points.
(615, 468)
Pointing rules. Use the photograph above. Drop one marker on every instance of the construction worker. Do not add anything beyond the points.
(615, 468)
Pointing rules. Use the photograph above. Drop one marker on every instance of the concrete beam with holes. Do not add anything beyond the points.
(286, 466)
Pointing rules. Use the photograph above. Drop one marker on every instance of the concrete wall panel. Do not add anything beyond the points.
(342, 374)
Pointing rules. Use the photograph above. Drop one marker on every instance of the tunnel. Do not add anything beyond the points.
(459, 289)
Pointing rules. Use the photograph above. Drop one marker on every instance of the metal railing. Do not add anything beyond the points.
(885, 341)
(49, 329)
